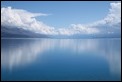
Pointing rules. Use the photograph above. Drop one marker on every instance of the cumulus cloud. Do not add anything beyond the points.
(114, 15)
(107, 25)
(23, 19)
(26, 20)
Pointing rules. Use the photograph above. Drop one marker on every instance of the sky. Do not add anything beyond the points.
(63, 13)
(62, 17)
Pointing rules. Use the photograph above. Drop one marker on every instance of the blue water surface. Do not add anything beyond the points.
(61, 59)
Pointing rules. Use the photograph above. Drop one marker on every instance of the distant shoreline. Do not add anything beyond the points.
(65, 38)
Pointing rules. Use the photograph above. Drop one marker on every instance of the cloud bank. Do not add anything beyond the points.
(18, 18)
(23, 19)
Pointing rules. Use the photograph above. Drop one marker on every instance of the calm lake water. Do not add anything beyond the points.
(61, 59)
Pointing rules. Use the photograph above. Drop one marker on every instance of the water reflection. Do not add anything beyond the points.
(22, 52)
(18, 52)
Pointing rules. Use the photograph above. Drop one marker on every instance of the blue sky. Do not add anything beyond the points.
(64, 13)
(63, 17)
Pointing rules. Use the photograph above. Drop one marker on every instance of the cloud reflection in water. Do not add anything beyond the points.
(21, 52)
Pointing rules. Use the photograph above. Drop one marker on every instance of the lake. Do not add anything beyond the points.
(61, 59)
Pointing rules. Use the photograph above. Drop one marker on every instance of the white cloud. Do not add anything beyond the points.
(113, 19)
(114, 15)
(23, 19)
(84, 29)
(26, 20)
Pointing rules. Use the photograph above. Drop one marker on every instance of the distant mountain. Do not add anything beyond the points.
(79, 36)
(7, 32)
(13, 32)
